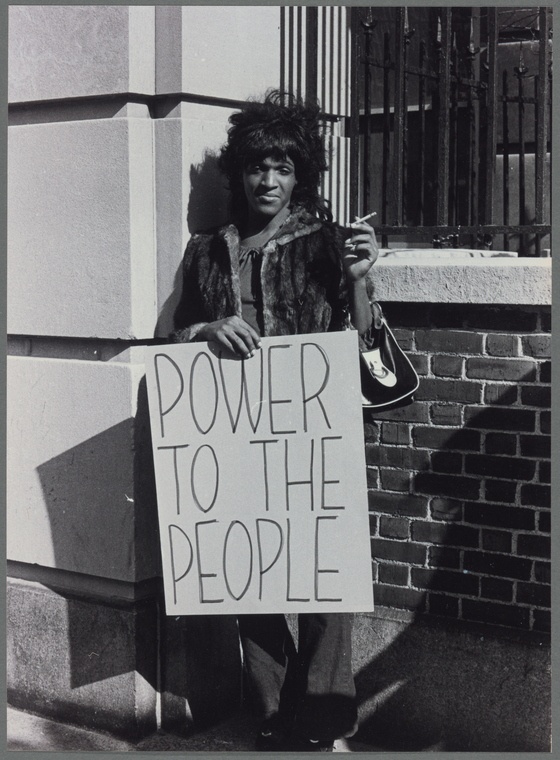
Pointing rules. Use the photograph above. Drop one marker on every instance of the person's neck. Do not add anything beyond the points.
(259, 230)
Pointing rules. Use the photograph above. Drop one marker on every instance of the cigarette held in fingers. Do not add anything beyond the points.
(363, 219)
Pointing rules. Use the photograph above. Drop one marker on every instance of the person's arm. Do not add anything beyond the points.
(232, 333)
(359, 255)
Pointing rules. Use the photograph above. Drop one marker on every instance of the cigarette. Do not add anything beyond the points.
(363, 219)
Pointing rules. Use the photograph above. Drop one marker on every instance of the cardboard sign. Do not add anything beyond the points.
(261, 479)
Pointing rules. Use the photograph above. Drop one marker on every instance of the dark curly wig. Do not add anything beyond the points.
(271, 128)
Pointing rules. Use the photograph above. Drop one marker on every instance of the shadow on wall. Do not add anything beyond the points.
(104, 524)
(95, 510)
(207, 208)
(451, 686)
(200, 661)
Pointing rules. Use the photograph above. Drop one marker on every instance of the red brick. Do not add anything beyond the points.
(445, 580)
(398, 551)
(545, 374)
(544, 522)
(500, 467)
(545, 421)
(420, 363)
(405, 458)
(544, 472)
(446, 509)
(372, 524)
(449, 341)
(496, 516)
(399, 598)
(533, 593)
(541, 621)
(438, 438)
(501, 395)
(498, 614)
(416, 412)
(447, 485)
(394, 527)
(395, 480)
(371, 432)
(447, 366)
(397, 504)
(395, 433)
(486, 368)
(446, 414)
(443, 605)
(496, 588)
(519, 420)
(442, 461)
(405, 338)
(394, 575)
(372, 454)
(498, 565)
(459, 391)
(536, 396)
(501, 443)
(497, 541)
(535, 495)
(535, 446)
(543, 572)
(502, 345)
(372, 477)
(537, 345)
(443, 556)
(444, 533)
(500, 490)
(533, 546)
(546, 320)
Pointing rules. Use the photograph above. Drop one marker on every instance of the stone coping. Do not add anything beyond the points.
(444, 276)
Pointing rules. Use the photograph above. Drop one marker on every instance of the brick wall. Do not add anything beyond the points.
(459, 481)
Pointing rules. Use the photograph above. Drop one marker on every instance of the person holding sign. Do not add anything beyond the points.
(282, 267)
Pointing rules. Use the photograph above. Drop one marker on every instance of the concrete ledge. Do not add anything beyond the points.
(86, 586)
(96, 662)
(82, 661)
(498, 280)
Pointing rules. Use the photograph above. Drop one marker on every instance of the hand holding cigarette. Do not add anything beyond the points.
(361, 250)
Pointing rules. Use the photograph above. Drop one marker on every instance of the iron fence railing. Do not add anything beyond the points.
(450, 140)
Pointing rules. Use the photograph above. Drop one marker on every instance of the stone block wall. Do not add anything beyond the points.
(114, 114)
(459, 481)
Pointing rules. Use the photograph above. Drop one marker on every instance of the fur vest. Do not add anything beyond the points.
(302, 279)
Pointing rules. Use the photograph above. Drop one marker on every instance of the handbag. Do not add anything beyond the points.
(388, 378)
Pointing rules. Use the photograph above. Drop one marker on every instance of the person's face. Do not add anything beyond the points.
(268, 185)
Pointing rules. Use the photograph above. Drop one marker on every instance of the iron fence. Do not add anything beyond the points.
(450, 124)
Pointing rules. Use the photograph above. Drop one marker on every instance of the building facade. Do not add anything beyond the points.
(115, 116)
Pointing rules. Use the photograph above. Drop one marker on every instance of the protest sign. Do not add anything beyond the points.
(260, 473)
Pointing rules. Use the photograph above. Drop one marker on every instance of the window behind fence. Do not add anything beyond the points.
(439, 119)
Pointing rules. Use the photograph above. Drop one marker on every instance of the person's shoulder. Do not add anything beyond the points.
(213, 232)
(203, 240)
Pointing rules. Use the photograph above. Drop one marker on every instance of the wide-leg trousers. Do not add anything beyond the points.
(311, 688)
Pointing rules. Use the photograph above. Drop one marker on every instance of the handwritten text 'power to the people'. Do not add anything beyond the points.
(251, 469)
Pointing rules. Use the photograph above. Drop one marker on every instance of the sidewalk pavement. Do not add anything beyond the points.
(31, 733)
